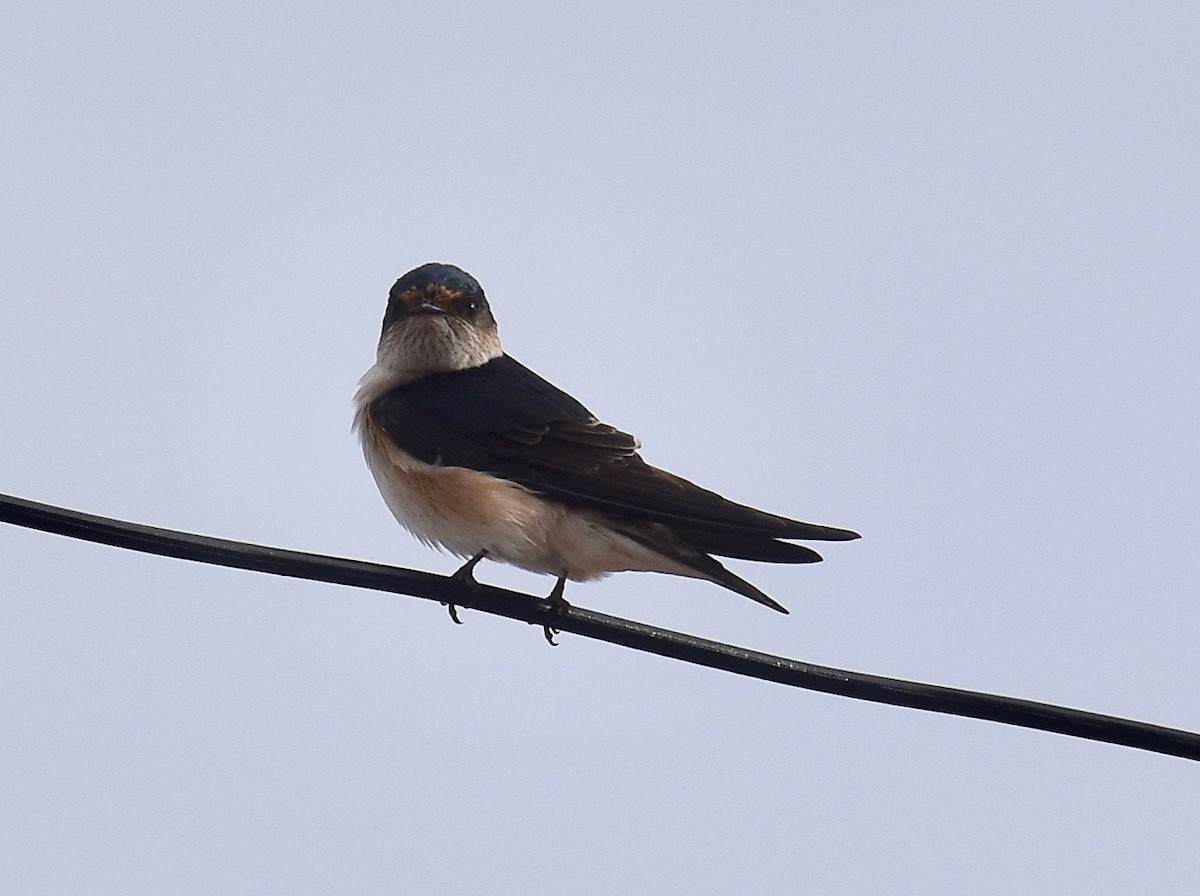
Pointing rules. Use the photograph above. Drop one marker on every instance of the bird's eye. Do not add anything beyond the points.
(470, 306)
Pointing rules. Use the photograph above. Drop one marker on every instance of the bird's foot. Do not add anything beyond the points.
(556, 604)
(466, 575)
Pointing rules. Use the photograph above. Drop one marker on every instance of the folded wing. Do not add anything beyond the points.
(503, 419)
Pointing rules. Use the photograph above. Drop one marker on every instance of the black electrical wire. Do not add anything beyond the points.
(588, 624)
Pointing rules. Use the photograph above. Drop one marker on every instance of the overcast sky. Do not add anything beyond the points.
(926, 271)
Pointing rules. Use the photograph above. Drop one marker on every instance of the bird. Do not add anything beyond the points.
(478, 455)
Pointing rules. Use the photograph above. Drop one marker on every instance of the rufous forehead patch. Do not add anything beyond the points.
(433, 292)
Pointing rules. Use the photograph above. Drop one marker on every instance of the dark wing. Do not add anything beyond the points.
(504, 419)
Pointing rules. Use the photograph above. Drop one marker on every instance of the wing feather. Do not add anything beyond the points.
(504, 419)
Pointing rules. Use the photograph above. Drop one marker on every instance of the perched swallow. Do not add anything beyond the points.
(479, 455)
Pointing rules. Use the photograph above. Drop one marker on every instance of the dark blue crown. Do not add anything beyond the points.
(436, 274)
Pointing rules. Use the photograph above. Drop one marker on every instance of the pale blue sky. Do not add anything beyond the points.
(926, 271)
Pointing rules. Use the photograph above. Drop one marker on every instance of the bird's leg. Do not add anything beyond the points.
(466, 572)
(557, 603)
(466, 575)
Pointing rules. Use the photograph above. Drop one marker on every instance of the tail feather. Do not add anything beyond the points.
(665, 541)
(745, 547)
(714, 571)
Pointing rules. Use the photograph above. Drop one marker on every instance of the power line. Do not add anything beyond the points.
(589, 624)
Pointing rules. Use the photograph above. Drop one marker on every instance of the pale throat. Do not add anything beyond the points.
(417, 347)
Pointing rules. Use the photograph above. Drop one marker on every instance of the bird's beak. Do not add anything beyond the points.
(426, 307)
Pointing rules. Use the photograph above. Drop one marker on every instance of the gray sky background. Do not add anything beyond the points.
(926, 271)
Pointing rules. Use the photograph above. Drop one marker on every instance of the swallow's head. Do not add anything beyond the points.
(438, 320)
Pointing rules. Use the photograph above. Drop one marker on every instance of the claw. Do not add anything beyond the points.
(466, 575)
(557, 603)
